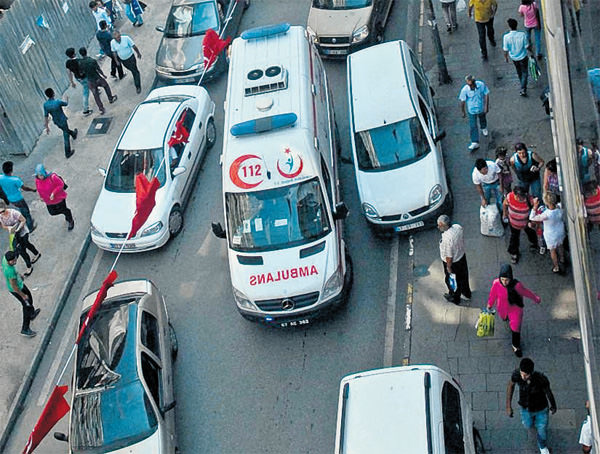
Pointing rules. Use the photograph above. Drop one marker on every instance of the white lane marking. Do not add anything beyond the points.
(69, 333)
(205, 247)
(390, 319)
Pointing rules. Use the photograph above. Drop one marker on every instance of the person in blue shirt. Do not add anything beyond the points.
(515, 46)
(104, 37)
(474, 101)
(12, 187)
(54, 107)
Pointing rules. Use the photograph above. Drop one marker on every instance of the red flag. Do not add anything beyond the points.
(212, 46)
(55, 409)
(106, 284)
(145, 191)
(181, 134)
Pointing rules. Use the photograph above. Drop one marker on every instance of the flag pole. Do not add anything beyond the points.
(227, 19)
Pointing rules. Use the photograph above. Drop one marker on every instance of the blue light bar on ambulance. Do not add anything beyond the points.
(263, 124)
(266, 31)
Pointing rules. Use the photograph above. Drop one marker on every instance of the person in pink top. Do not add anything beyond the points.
(51, 189)
(507, 295)
(531, 18)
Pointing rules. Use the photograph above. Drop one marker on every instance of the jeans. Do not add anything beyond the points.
(522, 67)
(67, 134)
(94, 84)
(61, 208)
(131, 64)
(539, 419)
(490, 189)
(461, 269)
(449, 10)
(22, 206)
(482, 29)
(21, 245)
(86, 94)
(132, 17)
(533, 187)
(474, 131)
(27, 306)
(515, 239)
(537, 33)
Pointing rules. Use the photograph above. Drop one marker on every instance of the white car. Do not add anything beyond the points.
(395, 141)
(144, 147)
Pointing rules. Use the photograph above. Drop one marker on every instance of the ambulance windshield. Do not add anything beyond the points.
(276, 218)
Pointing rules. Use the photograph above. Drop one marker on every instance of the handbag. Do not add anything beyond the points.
(485, 324)
(534, 69)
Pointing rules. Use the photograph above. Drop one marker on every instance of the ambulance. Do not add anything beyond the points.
(283, 209)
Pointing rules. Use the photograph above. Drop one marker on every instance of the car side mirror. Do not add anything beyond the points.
(440, 136)
(345, 159)
(218, 230)
(169, 407)
(102, 172)
(158, 28)
(340, 212)
(179, 170)
(61, 436)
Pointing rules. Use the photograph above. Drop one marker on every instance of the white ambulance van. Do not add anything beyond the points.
(283, 209)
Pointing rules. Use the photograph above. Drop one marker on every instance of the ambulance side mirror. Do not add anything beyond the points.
(340, 212)
(218, 230)
(440, 136)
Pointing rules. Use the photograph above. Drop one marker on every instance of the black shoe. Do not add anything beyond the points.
(88, 112)
(450, 298)
(493, 43)
(75, 131)
(71, 225)
(523, 93)
(36, 258)
(114, 76)
(69, 154)
(138, 90)
(449, 28)
(28, 333)
(35, 314)
(123, 76)
(484, 57)
(518, 352)
(113, 99)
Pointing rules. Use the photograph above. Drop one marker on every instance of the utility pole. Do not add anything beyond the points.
(443, 76)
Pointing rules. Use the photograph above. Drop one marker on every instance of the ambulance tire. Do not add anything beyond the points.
(479, 448)
(211, 133)
(175, 221)
(174, 344)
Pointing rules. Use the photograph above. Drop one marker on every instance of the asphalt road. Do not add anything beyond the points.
(241, 387)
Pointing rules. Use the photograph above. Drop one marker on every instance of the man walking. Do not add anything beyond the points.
(99, 13)
(104, 37)
(484, 12)
(133, 11)
(515, 45)
(449, 10)
(74, 72)
(19, 290)
(51, 189)
(516, 208)
(123, 47)
(14, 223)
(474, 99)
(54, 107)
(96, 79)
(486, 178)
(534, 395)
(454, 260)
(12, 187)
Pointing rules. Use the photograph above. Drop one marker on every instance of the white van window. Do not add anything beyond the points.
(453, 426)
(341, 4)
(391, 146)
(276, 218)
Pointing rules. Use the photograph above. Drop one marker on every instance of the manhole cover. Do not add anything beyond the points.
(421, 270)
(99, 126)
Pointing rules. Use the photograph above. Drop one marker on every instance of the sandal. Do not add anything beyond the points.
(556, 269)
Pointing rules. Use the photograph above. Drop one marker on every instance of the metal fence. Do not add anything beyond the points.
(33, 37)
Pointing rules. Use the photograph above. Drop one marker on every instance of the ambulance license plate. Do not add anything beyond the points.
(335, 51)
(294, 323)
(414, 225)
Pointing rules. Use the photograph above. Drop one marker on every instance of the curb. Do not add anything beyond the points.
(22, 392)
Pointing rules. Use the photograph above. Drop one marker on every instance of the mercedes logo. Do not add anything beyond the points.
(287, 304)
(333, 40)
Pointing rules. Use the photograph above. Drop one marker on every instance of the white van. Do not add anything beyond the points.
(408, 409)
(395, 139)
(283, 211)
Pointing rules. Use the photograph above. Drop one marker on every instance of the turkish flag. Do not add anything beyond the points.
(55, 409)
(181, 134)
(212, 46)
(145, 192)
(101, 296)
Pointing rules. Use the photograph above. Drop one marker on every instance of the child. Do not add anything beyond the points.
(505, 173)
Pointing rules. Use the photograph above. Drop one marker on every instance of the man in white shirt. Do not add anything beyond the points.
(123, 48)
(515, 45)
(486, 178)
(454, 260)
(585, 437)
(100, 14)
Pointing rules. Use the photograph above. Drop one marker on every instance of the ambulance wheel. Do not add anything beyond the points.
(175, 221)
(479, 448)
(211, 133)
(174, 344)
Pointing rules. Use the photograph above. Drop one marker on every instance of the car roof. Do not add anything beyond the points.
(379, 86)
(148, 125)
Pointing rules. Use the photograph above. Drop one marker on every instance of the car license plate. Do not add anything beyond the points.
(414, 225)
(335, 51)
(118, 246)
(294, 323)
(186, 80)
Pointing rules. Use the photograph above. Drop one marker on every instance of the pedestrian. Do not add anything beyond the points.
(531, 20)
(54, 107)
(484, 12)
(474, 99)
(515, 46)
(505, 172)
(123, 47)
(104, 37)
(516, 208)
(12, 187)
(527, 165)
(74, 72)
(96, 79)
(575, 6)
(14, 222)
(554, 229)
(534, 395)
(17, 288)
(551, 179)
(52, 191)
(486, 178)
(133, 11)
(449, 10)
(100, 13)
(591, 200)
(585, 436)
(454, 260)
(586, 162)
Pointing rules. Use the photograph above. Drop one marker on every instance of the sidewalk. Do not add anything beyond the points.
(444, 334)
(62, 250)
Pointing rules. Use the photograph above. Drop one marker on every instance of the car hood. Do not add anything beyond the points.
(150, 445)
(327, 22)
(179, 53)
(400, 190)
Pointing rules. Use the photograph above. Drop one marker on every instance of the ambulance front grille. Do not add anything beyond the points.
(300, 301)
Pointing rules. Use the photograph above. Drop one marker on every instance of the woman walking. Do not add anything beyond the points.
(507, 294)
(531, 19)
(554, 229)
(51, 189)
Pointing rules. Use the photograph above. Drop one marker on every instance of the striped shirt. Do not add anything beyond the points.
(452, 244)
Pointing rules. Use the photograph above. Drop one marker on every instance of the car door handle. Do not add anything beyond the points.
(189, 155)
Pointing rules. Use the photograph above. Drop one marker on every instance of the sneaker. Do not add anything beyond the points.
(36, 258)
(449, 28)
(71, 225)
(138, 90)
(28, 333)
(114, 76)
(493, 43)
(123, 76)
(484, 131)
(542, 250)
(466, 298)
(28, 271)
(35, 314)
(544, 451)
(514, 259)
(523, 93)
(75, 132)
(474, 146)
(88, 112)
(69, 154)
(517, 351)
(102, 111)
(113, 99)
(484, 57)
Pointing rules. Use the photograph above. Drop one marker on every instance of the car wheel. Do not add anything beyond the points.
(246, 4)
(175, 221)
(479, 448)
(211, 133)
(174, 344)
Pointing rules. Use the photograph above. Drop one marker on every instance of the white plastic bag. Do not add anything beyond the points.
(491, 224)
(461, 5)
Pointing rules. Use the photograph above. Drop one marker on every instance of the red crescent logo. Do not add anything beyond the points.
(291, 175)
(235, 168)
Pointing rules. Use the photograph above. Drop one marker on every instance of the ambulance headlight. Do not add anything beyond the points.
(360, 34)
(334, 284)
(242, 300)
(435, 194)
(369, 211)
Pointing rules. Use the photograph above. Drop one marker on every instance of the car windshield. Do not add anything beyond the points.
(276, 218)
(391, 146)
(126, 164)
(108, 391)
(341, 4)
(191, 20)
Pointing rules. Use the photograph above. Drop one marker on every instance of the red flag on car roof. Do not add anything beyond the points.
(101, 296)
(55, 409)
(212, 46)
(145, 192)
(181, 134)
